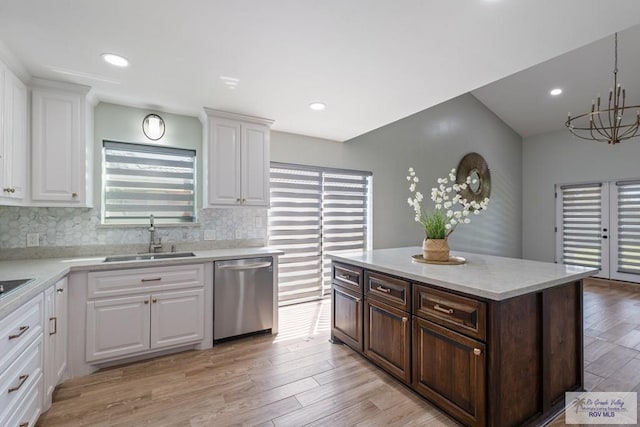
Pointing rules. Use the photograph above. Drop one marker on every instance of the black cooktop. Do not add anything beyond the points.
(7, 286)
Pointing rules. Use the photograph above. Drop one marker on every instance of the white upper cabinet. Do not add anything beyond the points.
(13, 138)
(62, 140)
(236, 151)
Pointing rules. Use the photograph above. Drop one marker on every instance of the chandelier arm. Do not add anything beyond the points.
(602, 130)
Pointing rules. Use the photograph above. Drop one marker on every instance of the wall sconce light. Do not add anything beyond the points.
(153, 127)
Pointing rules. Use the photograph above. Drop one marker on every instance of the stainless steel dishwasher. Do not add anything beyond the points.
(243, 297)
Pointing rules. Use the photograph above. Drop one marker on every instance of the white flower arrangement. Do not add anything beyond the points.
(451, 209)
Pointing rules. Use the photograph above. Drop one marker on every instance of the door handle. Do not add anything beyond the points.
(246, 266)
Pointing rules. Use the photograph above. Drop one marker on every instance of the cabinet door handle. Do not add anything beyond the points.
(22, 379)
(244, 200)
(155, 300)
(22, 330)
(74, 195)
(146, 301)
(442, 309)
(477, 351)
(404, 320)
(385, 290)
(55, 325)
(60, 290)
(357, 299)
(155, 279)
(238, 200)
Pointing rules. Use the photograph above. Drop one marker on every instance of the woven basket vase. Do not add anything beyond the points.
(435, 249)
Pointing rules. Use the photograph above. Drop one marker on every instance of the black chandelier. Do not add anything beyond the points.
(607, 125)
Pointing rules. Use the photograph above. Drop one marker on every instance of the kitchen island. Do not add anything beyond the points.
(495, 341)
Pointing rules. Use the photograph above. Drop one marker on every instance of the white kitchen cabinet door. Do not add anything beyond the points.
(117, 327)
(13, 138)
(49, 344)
(255, 165)
(236, 160)
(60, 357)
(60, 142)
(223, 162)
(177, 318)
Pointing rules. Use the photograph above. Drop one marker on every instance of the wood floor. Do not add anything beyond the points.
(298, 378)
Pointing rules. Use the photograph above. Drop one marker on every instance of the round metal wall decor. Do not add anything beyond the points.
(153, 127)
(474, 166)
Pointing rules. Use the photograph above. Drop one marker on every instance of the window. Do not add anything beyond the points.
(140, 180)
(598, 225)
(315, 211)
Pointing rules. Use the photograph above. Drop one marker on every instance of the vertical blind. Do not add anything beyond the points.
(581, 225)
(628, 196)
(315, 211)
(139, 180)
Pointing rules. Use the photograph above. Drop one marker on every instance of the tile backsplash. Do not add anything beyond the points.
(81, 227)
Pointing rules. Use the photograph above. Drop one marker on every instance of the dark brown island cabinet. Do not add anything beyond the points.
(484, 362)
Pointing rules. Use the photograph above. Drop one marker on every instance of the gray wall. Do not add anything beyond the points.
(559, 158)
(432, 142)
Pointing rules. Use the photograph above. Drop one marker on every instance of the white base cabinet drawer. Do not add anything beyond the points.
(144, 280)
(19, 329)
(117, 327)
(27, 413)
(19, 377)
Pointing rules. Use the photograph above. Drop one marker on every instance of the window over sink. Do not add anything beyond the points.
(139, 180)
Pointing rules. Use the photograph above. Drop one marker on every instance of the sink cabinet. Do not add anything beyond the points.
(138, 310)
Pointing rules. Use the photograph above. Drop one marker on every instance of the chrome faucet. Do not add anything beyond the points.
(153, 245)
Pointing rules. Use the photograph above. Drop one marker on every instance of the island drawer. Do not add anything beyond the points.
(347, 276)
(458, 313)
(391, 290)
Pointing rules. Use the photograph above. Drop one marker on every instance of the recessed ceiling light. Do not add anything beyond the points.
(117, 60)
(318, 106)
(231, 82)
(555, 92)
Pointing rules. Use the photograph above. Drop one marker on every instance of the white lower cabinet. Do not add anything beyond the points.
(55, 348)
(117, 327)
(132, 324)
(21, 364)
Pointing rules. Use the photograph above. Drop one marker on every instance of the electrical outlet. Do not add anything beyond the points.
(209, 234)
(33, 239)
(238, 234)
(258, 221)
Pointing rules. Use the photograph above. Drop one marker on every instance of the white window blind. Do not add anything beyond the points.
(628, 239)
(315, 211)
(139, 180)
(581, 225)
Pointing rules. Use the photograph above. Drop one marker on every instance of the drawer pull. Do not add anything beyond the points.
(22, 330)
(155, 279)
(345, 277)
(385, 290)
(22, 378)
(477, 351)
(442, 309)
(23, 425)
(55, 325)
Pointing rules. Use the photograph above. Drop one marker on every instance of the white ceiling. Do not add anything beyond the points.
(372, 61)
(523, 101)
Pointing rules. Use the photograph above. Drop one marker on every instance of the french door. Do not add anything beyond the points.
(598, 226)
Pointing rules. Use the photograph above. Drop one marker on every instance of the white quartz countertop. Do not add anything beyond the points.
(47, 271)
(492, 277)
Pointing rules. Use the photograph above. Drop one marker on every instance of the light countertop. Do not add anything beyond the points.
(486, 276)
(47, 271)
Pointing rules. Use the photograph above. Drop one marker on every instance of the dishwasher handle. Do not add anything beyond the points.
(253, 266)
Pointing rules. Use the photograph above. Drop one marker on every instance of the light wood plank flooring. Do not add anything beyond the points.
(298, 378)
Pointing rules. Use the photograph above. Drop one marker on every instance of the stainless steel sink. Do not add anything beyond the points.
(144, 257)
